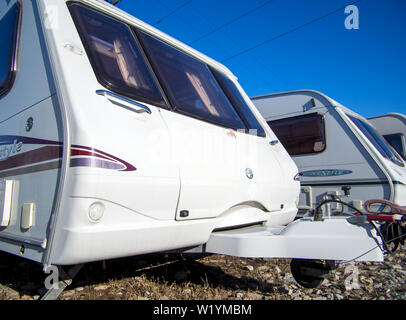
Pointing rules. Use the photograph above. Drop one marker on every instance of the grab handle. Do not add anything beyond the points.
(108, 94)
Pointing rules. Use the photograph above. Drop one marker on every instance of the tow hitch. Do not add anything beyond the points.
(316, 243)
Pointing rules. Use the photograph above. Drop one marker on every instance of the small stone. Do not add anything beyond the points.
(79, 289)
(101, 287)
(239, 295)
(68, 294)
(249, 268)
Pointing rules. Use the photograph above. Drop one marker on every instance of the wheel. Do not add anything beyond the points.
(301, 271)
(394, 234)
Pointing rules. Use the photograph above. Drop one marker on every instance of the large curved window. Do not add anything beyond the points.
(136, 64)
(398, 142)
(375, 138)
(116, 58)
(8, 44)
(189, 84)
(235, 97)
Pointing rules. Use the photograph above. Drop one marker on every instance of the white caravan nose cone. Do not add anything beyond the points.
(96, 211)
(249, 173)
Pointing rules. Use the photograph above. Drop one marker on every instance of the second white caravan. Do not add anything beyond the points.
(338, 152)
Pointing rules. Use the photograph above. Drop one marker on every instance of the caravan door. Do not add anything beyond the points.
(116, 113)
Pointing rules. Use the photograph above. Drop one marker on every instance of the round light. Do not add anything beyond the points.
(96, 211)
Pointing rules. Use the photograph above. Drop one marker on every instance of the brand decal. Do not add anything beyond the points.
(324, 173)
(9, 150)
(249, 173)
(19, 155)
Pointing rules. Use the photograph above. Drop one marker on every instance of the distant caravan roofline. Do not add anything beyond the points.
(393, 114)
(324, 97)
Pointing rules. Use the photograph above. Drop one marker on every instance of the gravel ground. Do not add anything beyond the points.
(214, 277)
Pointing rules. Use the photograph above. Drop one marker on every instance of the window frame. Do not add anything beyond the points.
(96, 68)
(237, 108)
(166, 86)
(9, 80)
(383, 146)
(308, 115)
(402, 141)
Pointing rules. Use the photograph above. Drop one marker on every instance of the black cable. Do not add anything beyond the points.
(317, 215)
(287, 32)
(232, 21)
(172, 12)
(317, 210)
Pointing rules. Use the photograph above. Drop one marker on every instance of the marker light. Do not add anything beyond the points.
(96, 211)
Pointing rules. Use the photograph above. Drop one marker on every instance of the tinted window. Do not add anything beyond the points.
(8, 44)
(189, 84)
(378, 142)
(238, 101)
(397, 141)
(115, 55)
(301, 135)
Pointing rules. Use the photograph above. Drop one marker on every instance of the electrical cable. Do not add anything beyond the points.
(172, 12)
(384, 241)
(191, 26)
(288, 32)
(232, 21)
(318, 215)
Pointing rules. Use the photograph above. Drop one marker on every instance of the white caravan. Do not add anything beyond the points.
(117, 140)
(392, 126)
(338, 153)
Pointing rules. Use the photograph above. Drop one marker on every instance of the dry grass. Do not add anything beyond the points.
(215, 277)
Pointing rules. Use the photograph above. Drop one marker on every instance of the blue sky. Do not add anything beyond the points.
(363, 69)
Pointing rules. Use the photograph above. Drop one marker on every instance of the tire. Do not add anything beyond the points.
(305, 280)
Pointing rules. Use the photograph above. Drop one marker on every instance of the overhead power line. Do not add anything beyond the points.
(232, 21)
(192, 27)
(173, 11)
(287, 32)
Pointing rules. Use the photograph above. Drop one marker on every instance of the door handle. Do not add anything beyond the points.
(110, 94)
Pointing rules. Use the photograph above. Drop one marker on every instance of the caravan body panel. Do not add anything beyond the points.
(31, 135)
